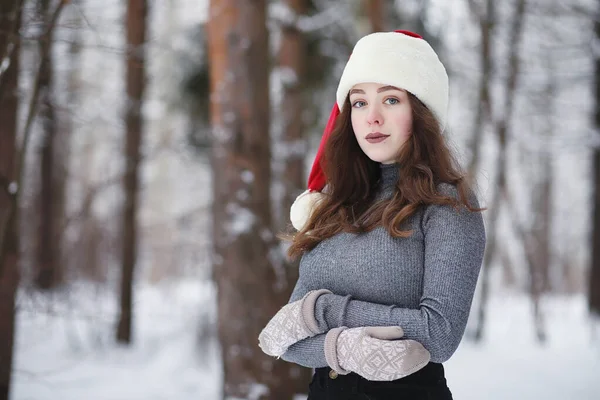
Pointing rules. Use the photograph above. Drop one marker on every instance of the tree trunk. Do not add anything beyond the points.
(10, 16)
(376, 14)
(538, 248)
(8, 38)
(66, 257)
(135, 81)
(292, 59)
(542, 209)
(52, 179)
(292, 65)
(594, 290)
(487, 20)
(243, 240)
(501, 163)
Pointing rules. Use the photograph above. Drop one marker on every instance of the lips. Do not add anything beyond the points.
(376, 137)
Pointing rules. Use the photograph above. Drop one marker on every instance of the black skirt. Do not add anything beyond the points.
(429, 383)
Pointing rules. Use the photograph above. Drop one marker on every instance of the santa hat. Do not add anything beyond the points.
(400, 58)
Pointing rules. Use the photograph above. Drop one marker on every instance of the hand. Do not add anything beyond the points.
(294, 322)
(374, 352)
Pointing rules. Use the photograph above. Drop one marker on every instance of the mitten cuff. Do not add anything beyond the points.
(308, 310)
(330, 348)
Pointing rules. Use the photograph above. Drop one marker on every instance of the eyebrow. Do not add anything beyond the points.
(381, 89)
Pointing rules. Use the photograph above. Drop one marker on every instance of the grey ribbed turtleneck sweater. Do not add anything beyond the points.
(423, 283)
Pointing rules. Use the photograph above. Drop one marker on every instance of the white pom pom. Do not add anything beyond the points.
(302, 208)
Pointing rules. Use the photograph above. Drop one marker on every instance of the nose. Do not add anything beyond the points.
(374, 116)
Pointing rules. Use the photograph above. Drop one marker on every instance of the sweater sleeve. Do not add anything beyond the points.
(308, 352)
(454, 247)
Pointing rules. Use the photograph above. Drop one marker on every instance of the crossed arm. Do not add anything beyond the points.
(454, 247)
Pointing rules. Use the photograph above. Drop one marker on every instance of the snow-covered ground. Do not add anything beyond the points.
(511, 364)
(65, 350)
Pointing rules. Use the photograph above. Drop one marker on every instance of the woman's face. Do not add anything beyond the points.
(381, 119)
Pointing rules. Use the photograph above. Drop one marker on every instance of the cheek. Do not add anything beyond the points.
(404, 123)
(355, 121)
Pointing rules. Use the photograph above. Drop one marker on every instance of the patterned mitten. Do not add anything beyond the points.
(294, 322)
(374, 352)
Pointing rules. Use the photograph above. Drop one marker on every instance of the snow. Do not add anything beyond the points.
(241, 220)
(510, 364)
(13, 187)
(65, 349)
(247, 176)
(65, 346)
(6, 60)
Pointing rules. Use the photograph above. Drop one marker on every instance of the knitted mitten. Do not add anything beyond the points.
(294, 322)
(373, 352)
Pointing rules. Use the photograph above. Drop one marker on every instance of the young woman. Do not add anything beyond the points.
(391, 236)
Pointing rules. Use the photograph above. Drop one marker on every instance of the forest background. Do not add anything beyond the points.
(150, 150)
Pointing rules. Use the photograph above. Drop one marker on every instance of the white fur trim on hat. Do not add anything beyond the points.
(302, 208)
(400, 60)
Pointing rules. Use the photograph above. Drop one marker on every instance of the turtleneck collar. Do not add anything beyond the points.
(389, 174)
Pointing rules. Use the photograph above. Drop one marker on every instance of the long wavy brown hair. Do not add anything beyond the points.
(352, 179)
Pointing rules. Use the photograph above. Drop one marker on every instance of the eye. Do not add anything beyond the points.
(358, 104)
(391, 101)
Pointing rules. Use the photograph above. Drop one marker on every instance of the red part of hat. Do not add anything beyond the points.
(409, 33)
(316, 179)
